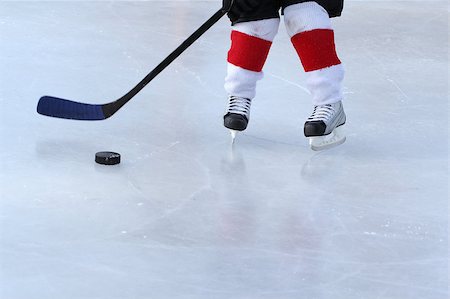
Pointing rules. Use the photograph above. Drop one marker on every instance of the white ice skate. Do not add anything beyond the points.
(324, 127)
(237, 115)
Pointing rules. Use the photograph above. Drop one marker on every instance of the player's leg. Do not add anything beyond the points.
(309, 26)
(252, 35)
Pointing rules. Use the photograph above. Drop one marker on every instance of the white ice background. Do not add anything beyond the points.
(185, 215)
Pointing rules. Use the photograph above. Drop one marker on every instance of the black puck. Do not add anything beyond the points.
(107, 158)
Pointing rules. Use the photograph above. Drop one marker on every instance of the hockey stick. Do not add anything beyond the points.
(62, 108)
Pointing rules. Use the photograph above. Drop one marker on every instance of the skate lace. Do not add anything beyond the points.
(322, 113)
(239, 105)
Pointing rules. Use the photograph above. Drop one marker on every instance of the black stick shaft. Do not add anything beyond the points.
(169, 59)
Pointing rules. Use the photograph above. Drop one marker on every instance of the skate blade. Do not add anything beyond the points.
(331, 140)
(233, 135)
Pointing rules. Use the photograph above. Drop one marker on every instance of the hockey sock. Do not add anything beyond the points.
(250, 46)
(248, 52)
(309, 27)
(316, 49)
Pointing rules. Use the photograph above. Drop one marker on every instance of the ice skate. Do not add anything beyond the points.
(324, 127)
(237, 115)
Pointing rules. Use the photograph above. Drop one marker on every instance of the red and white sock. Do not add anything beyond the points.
(250, 45)
(309, 27)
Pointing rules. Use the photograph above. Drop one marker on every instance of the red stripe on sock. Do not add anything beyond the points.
(248, 52)
(316, 49)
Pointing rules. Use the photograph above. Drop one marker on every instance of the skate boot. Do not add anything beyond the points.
(324, 126)
(237, 115)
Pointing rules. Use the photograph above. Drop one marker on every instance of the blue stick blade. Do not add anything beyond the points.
(61, 108)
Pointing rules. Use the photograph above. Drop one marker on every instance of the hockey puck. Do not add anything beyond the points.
(107, 158)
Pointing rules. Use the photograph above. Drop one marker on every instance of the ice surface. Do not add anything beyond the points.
(185, 215)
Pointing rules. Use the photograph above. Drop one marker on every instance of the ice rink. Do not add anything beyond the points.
(187, 215)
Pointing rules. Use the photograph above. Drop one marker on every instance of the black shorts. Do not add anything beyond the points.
(271, 9)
